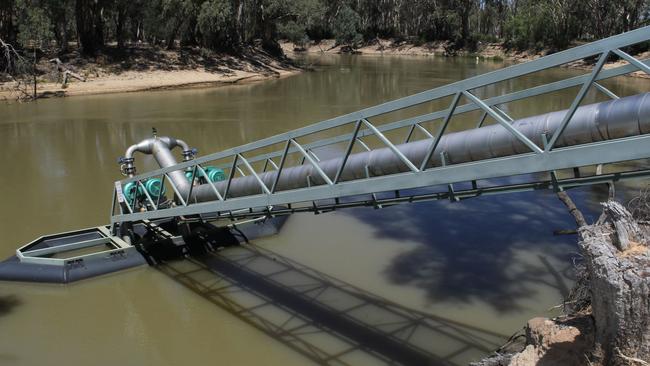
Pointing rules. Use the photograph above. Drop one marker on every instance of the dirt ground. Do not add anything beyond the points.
(142, 68)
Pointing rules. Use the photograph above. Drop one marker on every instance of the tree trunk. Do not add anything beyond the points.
(269, 39)
(239, 39)
(34, 75)
(618, 266)
(90, 25)
(466, 8)
(7, 25)
(171, 40)
(119, 28)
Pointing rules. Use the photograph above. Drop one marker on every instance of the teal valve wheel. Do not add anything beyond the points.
(215, 174)
(188, 175)
(130, 191)
(155, 187)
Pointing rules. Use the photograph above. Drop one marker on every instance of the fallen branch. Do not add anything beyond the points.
(12, 62)
(573, 210)
(16, 67)
(65, 73)
(632, 359)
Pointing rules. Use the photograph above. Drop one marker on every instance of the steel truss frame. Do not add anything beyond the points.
(540, 159)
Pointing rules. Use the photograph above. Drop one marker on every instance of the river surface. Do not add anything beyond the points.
(488, 263)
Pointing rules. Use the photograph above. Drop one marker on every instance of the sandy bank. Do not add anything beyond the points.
(494, 51)
(147, 68)
(134, 81)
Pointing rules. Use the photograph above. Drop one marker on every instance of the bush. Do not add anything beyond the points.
(294, 33)
(346, 27)
(33, 26)
(214, 24)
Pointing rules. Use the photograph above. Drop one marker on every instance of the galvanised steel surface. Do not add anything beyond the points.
(597, 134)
(618, 118)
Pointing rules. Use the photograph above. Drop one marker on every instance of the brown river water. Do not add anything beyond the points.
(482, 267)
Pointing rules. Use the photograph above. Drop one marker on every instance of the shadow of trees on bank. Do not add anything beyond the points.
(498, 249)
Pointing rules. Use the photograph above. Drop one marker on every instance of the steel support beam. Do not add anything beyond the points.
(631, 148)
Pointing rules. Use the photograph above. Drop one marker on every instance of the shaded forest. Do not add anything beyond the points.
(229, 25)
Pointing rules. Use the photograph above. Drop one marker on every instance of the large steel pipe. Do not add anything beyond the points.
(160, 148)
(592, 123)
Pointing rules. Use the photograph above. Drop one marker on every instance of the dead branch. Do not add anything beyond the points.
(64, 73)
(16, 68)
(640, 206)
(573, 210)
(632, 359)
(11, 61)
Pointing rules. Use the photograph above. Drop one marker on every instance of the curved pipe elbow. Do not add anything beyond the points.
(160, 148)
(182, 144)
(144, 146)
(130, 151)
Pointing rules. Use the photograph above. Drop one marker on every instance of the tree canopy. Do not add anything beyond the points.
(229, 25)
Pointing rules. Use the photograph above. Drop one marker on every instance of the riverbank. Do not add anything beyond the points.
(607, 313)
(143, 68)
(486, 51)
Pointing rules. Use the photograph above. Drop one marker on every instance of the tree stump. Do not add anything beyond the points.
(618, 266)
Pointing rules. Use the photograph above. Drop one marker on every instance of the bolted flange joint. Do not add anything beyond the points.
(189, 154)
(126, 166)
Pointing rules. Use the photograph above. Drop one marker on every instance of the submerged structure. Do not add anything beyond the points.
(203, 203)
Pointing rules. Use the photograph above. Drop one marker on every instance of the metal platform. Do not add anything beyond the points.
(81, 254)
(70, 256)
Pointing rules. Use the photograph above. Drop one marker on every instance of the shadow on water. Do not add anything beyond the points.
(327, 320)
(498, 249)
(8, 303)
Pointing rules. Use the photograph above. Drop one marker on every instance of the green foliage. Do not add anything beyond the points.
(346, 26)
(544, 24)
(294, 32)
(518, 31)
(61, 16)
(168, 20)
(214, 23)
(33, 25)
(232, 24)
(298, 18)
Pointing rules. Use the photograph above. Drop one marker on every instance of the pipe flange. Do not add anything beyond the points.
(122, 160)
(128, 170)
(126, 166)
(189, 154)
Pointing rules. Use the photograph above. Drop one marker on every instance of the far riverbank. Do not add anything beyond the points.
(486, 51)
(144, 68)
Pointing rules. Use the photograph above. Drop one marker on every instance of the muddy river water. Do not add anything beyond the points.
(485, 265)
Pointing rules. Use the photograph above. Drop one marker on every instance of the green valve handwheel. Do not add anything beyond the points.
(155, 187)
(130, 191)
(215, 174)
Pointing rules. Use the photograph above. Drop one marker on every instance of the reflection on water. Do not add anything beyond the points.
(489, 263)
(8, 303)
(481, 236)
(327, 320)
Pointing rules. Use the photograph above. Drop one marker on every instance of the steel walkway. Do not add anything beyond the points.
(547, 164)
